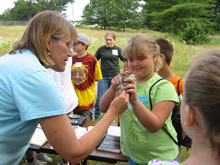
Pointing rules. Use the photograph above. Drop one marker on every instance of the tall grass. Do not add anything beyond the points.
(180, 63)
(182, 52)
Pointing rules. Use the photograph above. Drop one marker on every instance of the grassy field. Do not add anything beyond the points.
(180, 64)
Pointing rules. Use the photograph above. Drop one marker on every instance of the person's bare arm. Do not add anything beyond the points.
(107, 99)
(155, 119)
(152, 120)
(61, 135)
(110, 94)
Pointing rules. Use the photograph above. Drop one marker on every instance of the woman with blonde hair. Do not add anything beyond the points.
(30, 96)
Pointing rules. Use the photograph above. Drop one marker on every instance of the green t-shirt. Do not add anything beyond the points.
(137, 142)
(109, 60)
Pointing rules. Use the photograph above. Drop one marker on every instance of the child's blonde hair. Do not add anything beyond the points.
(142, 44)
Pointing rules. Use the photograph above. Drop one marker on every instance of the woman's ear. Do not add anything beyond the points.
(47, 42)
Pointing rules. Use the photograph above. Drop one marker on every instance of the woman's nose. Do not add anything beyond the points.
(70, 54)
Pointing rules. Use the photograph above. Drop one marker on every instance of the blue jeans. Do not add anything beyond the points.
(103, 86)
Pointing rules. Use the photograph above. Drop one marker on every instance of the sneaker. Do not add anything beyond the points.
(35, 162)
(43, 157)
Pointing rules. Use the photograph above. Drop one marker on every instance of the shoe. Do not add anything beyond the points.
(35, 162)
(43, 157)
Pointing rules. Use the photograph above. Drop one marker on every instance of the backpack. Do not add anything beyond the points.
(175, 117)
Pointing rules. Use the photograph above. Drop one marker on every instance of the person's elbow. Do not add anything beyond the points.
(76, 157)
(77, 160)
(103, 109)
(154, 129)
(103, 106)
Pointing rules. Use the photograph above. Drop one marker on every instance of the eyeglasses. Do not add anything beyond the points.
(68, 44)
(77, 43)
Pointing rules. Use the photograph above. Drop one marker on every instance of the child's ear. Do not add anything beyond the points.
(189, 116)
(162, 57)
(155, 57)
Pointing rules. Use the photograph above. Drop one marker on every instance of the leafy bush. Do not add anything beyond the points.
(194, 33)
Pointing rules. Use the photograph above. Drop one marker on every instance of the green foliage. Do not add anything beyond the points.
(25, 9)
(170, 16)
(127, 15)
(120, 14)
(98, 13)
(173, 16)
(194, 33)
(5, 46)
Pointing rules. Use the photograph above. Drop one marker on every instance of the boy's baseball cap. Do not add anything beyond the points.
(83, 38)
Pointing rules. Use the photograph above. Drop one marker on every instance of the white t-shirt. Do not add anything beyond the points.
(63, 80)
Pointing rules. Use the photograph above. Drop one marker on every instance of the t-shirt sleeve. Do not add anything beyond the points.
(98, 72)
(165, 91)
(97, 54)
(120, 55)
(37, 96)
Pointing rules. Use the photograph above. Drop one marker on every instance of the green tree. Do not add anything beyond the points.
(113, 13)
(173, 15)
(25, 9)
(217, 17)
(194, 33)
(127, 14)
(98, 13)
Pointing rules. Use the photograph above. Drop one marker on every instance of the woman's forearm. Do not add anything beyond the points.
(107, 99)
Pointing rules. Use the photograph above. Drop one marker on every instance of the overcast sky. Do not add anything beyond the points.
(73, 12)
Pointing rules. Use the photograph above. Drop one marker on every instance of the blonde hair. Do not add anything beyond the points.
(144, 45)
(44, 24)
(202, 89)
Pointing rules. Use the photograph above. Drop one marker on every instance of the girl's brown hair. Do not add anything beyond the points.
(110, 34)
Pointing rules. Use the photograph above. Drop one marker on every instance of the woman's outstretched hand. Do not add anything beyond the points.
(120, 103)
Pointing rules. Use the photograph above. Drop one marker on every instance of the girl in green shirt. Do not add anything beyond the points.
(142, 138)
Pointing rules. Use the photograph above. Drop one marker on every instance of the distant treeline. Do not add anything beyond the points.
(192, 20)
